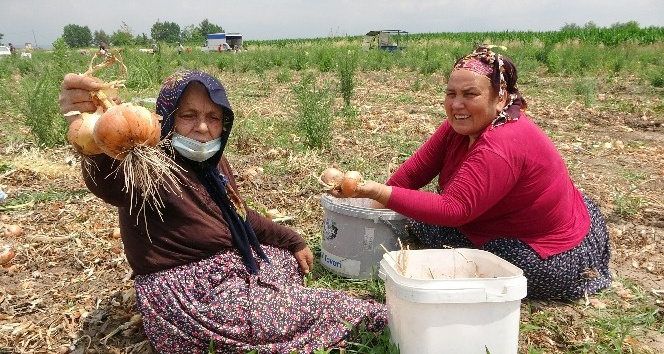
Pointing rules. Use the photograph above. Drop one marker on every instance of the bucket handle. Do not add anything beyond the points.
(400, 233)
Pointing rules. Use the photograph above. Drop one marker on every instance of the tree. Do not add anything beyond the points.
(165, 31)
(570, 27)
(142, 39)
(206, 28)
(192, 33)
(120, 37)
(123, 36)
(590, 25)
(101, 37)
(76, 36)
(630, 25)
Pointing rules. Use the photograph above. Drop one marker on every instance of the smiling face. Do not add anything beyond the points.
(197, 116)
(470, 103)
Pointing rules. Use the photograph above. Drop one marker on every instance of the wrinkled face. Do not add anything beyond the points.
(197, 116)
(470, 103)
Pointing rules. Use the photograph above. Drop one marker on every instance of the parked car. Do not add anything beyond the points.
(4, 50)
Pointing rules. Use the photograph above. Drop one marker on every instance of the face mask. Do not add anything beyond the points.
(193, 149)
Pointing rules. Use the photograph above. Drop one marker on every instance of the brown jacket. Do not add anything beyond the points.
(192, 228)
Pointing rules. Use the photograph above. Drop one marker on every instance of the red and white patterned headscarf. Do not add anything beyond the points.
(501, 72)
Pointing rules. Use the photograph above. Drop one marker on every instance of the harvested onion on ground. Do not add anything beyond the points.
(6, 254)
(12, 230)
(334, 179)
(128, 133)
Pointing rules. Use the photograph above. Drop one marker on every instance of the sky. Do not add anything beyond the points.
(41, 22)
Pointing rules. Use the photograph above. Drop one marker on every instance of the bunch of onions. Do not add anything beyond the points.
(131, 134)
(345, 183)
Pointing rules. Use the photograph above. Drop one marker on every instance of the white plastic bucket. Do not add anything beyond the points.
(353, 233)
(453, 301)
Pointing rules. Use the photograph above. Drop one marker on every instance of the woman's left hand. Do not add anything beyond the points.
(305, 258)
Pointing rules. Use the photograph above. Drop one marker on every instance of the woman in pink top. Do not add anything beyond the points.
(503, 186)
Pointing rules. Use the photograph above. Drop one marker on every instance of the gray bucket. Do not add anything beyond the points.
(353, 233)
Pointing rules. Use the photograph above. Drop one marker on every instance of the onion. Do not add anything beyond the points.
(13, 231)
(350, 182)
(80, 133)
(6, 255)
(332, 177)
(124, 127)
(272, 214)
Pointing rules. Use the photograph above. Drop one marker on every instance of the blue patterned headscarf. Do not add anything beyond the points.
(215, 182)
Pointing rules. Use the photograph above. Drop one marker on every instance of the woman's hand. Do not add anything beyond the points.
(305, 258)
(75, 93)
(379, 192)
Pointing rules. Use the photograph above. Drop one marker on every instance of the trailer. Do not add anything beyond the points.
(219, 42)
(234, 40)
(389, 40)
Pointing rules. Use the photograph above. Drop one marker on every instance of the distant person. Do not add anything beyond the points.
(502, 186)
(155, 48)
(102, 48)
(12, 50)
(180, 48)
(219, 48)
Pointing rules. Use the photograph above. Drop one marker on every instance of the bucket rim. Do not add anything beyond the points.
(459, 290)
(356, 211)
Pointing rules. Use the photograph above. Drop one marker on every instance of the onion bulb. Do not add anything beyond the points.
(332, 178)
(80, 133)
(13, 230)
(6, 254)
(345, 184)
(350, 182)
(124, 127)
(272, 213)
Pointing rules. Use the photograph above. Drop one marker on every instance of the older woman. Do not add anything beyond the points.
(214, 272)
(503, 186)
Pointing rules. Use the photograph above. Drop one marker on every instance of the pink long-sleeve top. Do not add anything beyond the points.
(512, 182)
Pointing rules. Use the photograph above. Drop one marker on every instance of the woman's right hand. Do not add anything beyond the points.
(379, 192)
(75, 95)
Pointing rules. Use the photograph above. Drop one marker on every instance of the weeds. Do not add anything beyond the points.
(346, 72)
(42, 112)
(369, 342)
(314, 112)
(586, 88)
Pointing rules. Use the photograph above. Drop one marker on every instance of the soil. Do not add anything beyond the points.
(69, 287)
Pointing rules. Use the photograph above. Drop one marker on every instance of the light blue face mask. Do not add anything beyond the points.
(193, 149)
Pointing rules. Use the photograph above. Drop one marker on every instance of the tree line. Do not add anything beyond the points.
(170, 32)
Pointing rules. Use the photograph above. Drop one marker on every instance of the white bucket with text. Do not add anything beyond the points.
(355, 236)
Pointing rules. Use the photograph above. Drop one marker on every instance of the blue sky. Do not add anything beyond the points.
(42, 21)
